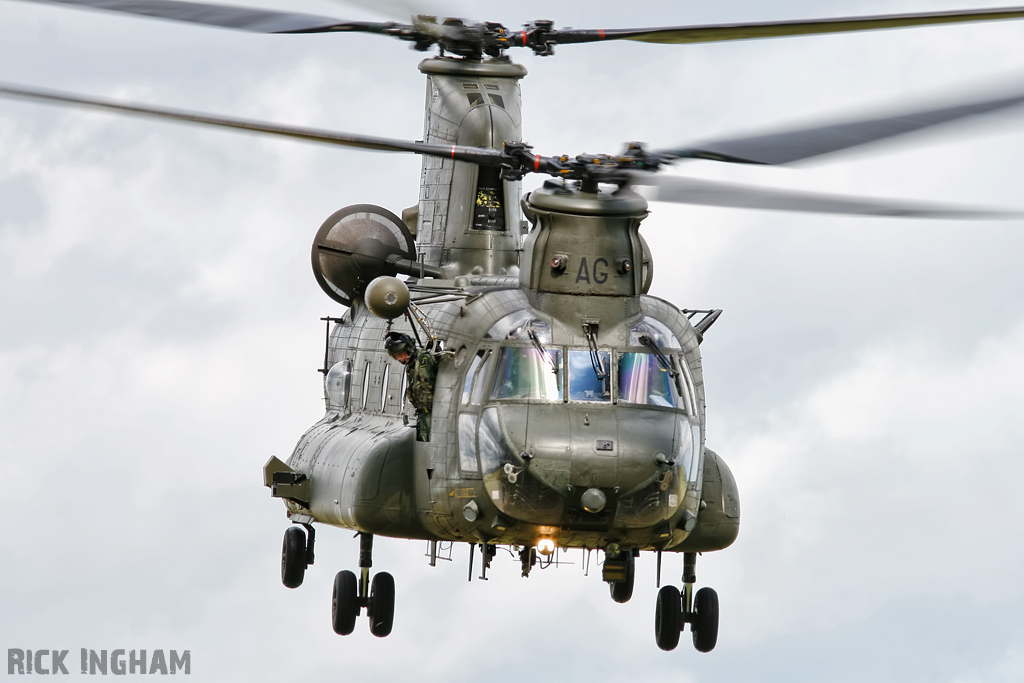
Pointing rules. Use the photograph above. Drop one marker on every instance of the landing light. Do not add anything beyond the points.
(545, 546)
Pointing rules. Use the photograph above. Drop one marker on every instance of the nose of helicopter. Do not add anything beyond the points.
(570, 461)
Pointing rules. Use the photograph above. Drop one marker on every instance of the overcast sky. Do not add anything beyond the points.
(161, 334)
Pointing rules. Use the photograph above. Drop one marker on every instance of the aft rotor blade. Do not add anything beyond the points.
(678, 190)
(711, 33)
(228, 16)
(797, 145)
(478, 155)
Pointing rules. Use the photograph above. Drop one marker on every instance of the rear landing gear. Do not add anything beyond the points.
(351, 595)
(296, 555)
(676, 609)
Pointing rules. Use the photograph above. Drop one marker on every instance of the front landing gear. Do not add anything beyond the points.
(668, 618)
(676, 609)
(381, 607)
(350, 595)
(344, 603)
(620, 573)
(704, 620)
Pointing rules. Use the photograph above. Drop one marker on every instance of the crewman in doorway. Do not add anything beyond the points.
(421, 373)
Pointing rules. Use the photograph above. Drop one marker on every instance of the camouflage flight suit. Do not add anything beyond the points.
(421, 373)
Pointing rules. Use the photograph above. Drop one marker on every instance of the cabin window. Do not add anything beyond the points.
(528, 373)
(644, 380)
(366, 383)
(588, 379)
(338, 383)
(405, 387)
(384, 387)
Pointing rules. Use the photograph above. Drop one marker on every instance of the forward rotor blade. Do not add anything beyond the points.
(678, 190)
(478, 155)
(227, 16)
(807, 143)
(777, 29)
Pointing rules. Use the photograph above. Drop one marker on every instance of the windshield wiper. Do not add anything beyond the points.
(595, 357)
(662, 359)
(535, 340)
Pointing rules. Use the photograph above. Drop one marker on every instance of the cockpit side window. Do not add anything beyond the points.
(684, 382)
(478, 388)
(471, 371)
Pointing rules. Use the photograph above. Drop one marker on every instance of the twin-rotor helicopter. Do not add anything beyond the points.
(564, 405)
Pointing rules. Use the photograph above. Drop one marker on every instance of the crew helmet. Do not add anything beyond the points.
(399, 342)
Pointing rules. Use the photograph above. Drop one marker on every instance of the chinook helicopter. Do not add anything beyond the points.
(568, 406)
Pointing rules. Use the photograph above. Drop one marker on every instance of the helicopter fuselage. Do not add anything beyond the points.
(568, 405)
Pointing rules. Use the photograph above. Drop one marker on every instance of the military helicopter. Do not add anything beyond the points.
(567, 409)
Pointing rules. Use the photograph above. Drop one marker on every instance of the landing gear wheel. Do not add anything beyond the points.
(382, 604)
(293, 557)
(668, 618)
(622, 591)
(705, 620)
(344, 603)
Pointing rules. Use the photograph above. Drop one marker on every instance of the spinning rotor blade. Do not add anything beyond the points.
(677, 190)
(477, 155)
(807, 143)
(777, 29)
(226, 16)
(473, 39)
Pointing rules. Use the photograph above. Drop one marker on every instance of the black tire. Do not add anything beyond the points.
(705, 620)
(622, 591)
(382, 604)
(668, 618)
(344, 603)
(293, 557)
